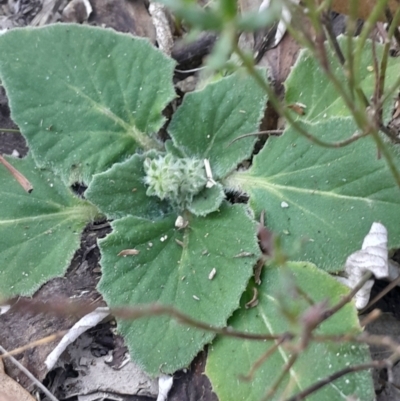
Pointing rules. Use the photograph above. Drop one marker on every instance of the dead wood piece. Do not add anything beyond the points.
(162, 21)
(124, 16)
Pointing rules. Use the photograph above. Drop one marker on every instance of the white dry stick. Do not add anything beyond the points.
(286, 17)
(164, 385)
(161, 24)
(4, 309)
(84, 324)
(372, 257)
(210, 179)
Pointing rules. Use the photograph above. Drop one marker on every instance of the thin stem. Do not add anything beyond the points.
(360, 116)
(32, 344)
(392, 29)
(271, 350)
(28, 374)
(267, 132)
(390, 92)
(379, 81)
(369, 24)
(351, 369)
(283, 111)
(286, 368)
(63, 308)
(388, 288)
(391, 134)
(14, 131)
(332, 38)
(319, 52)
(387, 155)
(351, 29)
(390, 19)
(346, 299)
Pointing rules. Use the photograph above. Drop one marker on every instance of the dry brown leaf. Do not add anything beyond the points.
(10, 390)
(281, 58)
(22, 180)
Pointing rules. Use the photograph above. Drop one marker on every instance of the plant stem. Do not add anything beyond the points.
(350, 369)
(387, 155)
(359, 114)
(272, 97)
(14, 131)
(392, 29)
(369, 24)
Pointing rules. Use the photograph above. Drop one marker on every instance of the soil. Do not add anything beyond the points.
(18, 329)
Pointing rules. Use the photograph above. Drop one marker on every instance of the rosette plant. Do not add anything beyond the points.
(90, 108)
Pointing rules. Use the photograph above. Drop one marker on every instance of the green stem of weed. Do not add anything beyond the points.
(14, 131)
(387, 155)
(369, 25)
(393, 26)
(282, 110)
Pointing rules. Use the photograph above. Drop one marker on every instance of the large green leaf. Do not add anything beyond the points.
(172, 267)
(40, 231)
(322, 200)
(229, 358)
(209, 120)
(84, 97)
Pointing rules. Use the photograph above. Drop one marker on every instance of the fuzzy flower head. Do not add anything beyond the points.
(174, 179)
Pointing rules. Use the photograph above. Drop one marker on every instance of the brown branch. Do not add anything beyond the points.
(262, 359)
(347, 298)
(388, 288)
(285, 370)
(63, 307)
(351, 369)
(28, 374)
(267, 132)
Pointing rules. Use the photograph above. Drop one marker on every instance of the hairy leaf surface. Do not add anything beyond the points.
(40, 231)
(230, 359)
(84, 97)
(209, 120)
(322, 201)
(309, 85)
(172, 267)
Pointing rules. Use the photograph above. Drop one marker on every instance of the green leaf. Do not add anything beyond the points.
(229, 358)
(40, 231)
(308, 84)
(207, 201)
(120, 191)
(323, 200)
(91, 97)
(209, 120)
(172, 268)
